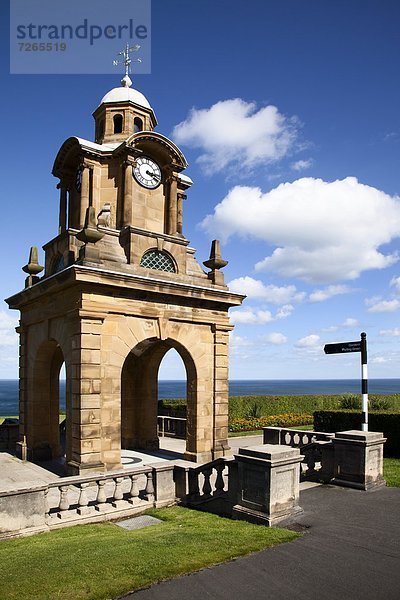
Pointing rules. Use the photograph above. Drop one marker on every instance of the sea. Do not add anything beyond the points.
(256, 387)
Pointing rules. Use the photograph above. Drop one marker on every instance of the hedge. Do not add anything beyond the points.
(172, 407)
(343, 420)
(284, 420)
(247, 407)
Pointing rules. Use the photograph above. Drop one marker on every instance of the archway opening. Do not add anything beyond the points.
(143, 383)
(172, 399)
(62, 390)
(137, 125)
(47, 397)
(118, 123)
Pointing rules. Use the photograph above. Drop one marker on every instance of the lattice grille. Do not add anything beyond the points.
(154, 259)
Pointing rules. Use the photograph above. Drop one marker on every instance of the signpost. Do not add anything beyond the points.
(359, 346)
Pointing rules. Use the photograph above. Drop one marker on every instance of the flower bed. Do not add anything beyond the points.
(283, 420)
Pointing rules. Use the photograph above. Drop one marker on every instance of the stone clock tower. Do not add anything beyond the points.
(121, 286)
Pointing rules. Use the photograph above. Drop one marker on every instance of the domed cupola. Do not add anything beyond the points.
(122, 112)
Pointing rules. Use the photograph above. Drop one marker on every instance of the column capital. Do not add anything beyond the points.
(86, 165)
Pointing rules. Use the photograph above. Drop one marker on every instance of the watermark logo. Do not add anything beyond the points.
(77, 36)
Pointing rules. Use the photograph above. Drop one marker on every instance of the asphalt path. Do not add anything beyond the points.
(349, 550)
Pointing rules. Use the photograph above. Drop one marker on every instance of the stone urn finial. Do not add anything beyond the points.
(32, 267)
(215, 263)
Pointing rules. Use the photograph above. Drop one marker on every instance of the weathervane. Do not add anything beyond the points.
(127, 62)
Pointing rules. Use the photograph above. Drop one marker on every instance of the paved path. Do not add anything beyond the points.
(349, 551)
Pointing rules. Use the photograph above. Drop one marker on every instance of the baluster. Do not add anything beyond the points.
(207, 484)
(310, 460)
(46, 504)
(194, 490)
(101, 500)
(219, 482)
(64, 501)
(83, 508)
(118, 501)
(149, 490)
(318, 457)
(134, 491)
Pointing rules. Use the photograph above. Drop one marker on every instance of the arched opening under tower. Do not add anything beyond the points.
(140, 393)
(172, 384)
(47, 391)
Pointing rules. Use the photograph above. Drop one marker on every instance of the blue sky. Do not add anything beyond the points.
(288, 114)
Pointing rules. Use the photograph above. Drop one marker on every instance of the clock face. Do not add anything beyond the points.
(78, 180)
(147, 172)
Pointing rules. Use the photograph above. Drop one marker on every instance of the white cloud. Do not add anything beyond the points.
(254, 288)
(238, 344)
(322, 232)
(395, 283)
(309, 341)
(275, 338)
(329, 292)
(234, 132)
(8, 335)
(377, 305)
(302, 165)
(249, 316)
(390, 332)
(378, 360)
(349, 323)
(284, 311)
(330, 329)
(8, 346)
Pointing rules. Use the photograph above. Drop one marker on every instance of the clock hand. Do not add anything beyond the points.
(152, 174)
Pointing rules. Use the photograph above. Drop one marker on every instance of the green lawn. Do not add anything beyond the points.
(391, 471)
(104, 561)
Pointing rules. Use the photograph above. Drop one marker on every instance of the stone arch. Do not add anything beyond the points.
(44, 402)
(137, 125)
(118, 122)
(44, 346)
(139, 343)
(139, 392)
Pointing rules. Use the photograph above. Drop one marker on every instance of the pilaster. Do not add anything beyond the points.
(221, 391)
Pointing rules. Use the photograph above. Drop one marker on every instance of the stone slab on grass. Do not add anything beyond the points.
(138, 522)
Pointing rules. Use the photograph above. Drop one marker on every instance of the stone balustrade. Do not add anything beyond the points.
(260, 484)
(85, 499)
(70, 497)
(346, 458)
(207, 482)
(315, 446)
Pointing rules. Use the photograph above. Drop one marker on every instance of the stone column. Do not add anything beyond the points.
(179, 228)
(85, 195)
(62, 221)
(268, 484)
(128, 196)
(85, 453)
(358, 459)
(221, 391)
(172, 205)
